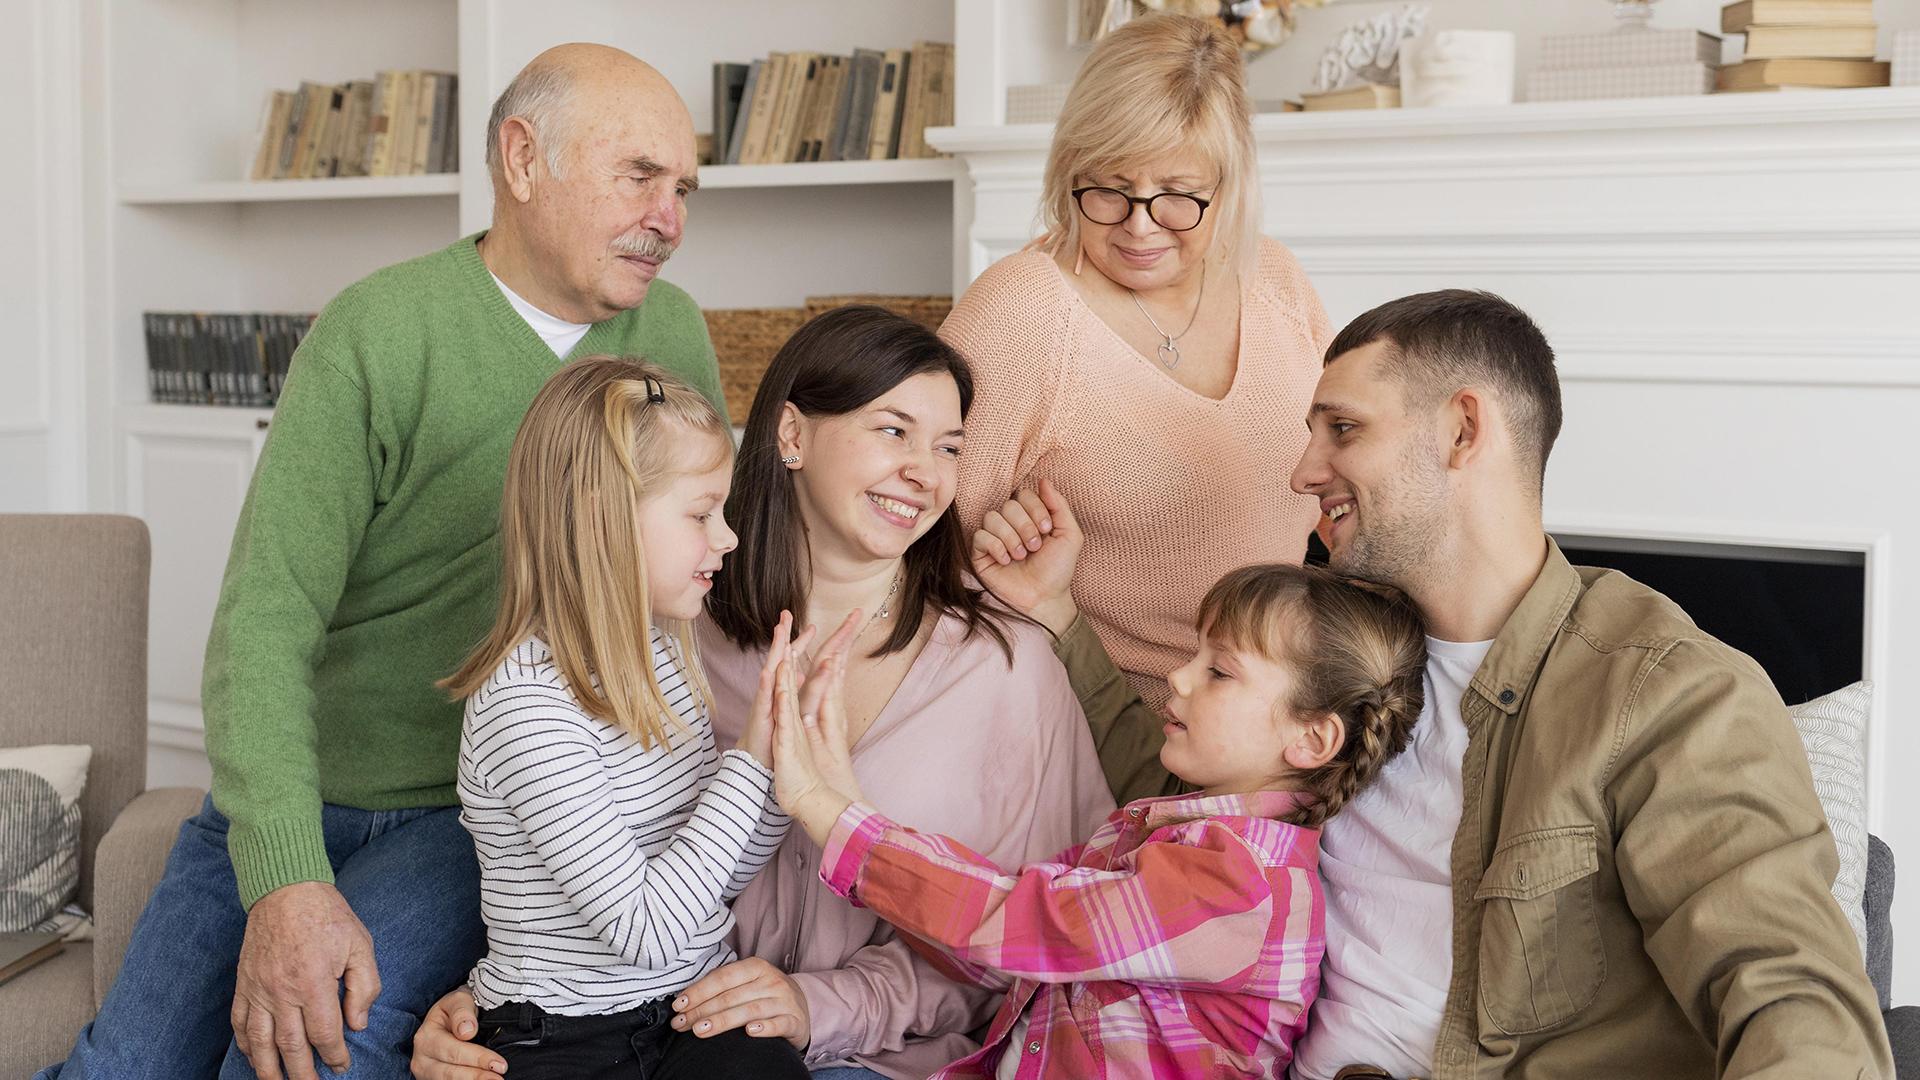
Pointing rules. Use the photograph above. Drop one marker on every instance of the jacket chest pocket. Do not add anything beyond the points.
(1541, 959)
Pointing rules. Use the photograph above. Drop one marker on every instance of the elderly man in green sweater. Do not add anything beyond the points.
(327, 893)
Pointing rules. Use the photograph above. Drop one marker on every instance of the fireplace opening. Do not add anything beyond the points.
(1799, 612)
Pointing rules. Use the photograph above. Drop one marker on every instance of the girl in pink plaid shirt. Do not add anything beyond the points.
(1184, 938)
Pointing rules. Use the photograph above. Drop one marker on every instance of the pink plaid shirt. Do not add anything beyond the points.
(1184, 939)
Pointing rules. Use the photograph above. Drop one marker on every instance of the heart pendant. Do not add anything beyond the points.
(1170, 356)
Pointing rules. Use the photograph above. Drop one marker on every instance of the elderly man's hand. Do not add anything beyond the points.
(302, 942)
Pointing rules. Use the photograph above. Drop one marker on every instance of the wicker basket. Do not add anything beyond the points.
(928, 311)
(744, 341)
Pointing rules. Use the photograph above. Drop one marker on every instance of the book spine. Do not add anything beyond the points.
(423, 123)
(272, 123)
(737, 137)
(443, 122)
(913, 108)
(866, 84)
(884, 138)
(380, 124)
(805, 78)
(760, 119)
(402, 122)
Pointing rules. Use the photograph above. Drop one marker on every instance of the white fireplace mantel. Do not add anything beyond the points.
(1732, 285)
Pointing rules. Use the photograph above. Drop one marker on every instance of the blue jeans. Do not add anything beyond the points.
(846, 1072)
(410, 876)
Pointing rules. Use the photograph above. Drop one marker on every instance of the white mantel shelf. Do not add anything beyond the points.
(1815, 181)
(1637, 115)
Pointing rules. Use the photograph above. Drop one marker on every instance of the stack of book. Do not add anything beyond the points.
(1364, 95)
(195, 358)
(1624, 63)
(805, 106)
(398, 123)
(1803, 45)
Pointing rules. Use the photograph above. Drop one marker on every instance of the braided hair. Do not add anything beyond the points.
(1356, 650)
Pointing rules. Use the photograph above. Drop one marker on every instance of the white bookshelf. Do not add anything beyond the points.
(175, 101)
(164, 192)
(829, 174)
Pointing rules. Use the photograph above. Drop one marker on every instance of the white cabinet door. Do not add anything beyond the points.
(187, 476)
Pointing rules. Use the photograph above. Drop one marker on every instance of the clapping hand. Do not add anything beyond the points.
(758, 738)
(812, 761)
(1025, 553)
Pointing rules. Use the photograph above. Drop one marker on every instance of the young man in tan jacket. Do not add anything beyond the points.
(1602, 855)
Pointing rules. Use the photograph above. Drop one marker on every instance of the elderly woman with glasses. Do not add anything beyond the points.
(1151, 355)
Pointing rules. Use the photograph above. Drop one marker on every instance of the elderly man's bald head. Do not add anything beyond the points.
(592, 158)
(549, 91)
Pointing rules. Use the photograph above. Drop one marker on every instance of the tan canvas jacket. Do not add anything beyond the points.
(1642, 873)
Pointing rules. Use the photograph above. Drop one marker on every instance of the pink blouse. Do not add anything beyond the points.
(999, 758)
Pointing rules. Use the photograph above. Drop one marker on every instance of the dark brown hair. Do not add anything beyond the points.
(1355, 649)
(1441, 342)
(836, 364)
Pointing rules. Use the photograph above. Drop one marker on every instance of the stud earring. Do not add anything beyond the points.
(790, 459)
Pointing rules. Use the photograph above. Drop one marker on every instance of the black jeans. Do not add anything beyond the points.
(634, 1045)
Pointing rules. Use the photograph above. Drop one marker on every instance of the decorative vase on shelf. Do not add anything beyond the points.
(1258, 25)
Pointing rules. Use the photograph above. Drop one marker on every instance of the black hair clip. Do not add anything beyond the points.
(655, 392)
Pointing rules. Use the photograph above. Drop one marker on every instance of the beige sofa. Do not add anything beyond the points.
(73, 630)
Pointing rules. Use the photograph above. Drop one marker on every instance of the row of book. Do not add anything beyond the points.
(806, 106)
(1790, 44)
(398, 123)
(195, 358)
(1796, 44)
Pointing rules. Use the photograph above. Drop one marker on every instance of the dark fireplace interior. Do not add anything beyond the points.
(1799, 612)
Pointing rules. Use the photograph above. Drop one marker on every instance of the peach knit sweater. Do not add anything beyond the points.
(1173, 489)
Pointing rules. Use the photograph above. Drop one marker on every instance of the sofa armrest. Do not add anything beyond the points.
(1903, 1031)
(126, 867)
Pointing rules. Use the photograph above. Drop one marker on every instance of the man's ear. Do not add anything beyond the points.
(1319, 742)
(1471, 417)
(518, 158)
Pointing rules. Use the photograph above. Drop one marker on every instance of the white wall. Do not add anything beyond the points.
(41, 467)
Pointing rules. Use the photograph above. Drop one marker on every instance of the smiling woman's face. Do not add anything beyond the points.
(1139, 253)
(873, 481)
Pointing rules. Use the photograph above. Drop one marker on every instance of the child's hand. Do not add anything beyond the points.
(1025, 553)
(812, 769)
(757, 739)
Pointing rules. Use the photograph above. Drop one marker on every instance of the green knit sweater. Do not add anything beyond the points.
(365, 562)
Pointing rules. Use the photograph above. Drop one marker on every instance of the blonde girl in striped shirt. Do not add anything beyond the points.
(611, 831)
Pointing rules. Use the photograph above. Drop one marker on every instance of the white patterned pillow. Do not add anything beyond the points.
(40, 790)
(1834, 730)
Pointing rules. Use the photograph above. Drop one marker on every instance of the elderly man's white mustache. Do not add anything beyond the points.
(646, 245)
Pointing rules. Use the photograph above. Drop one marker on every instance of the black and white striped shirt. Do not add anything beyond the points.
(605, 868)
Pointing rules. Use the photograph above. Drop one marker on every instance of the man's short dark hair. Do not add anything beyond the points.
(1441, 342)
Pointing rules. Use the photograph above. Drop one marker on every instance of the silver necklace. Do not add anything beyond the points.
(1170, 352)
(881, 612)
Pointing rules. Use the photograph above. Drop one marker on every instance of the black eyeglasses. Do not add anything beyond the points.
(1174, 211)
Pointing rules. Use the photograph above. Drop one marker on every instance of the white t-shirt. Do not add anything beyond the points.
(1386, 861)
(559, 334)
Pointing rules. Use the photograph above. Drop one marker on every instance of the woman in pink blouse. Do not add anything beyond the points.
(960, 716)
(1151, 354)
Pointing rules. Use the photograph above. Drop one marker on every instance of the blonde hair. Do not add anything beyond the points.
(1355, 650)
(592, 448)
(1158, 86)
